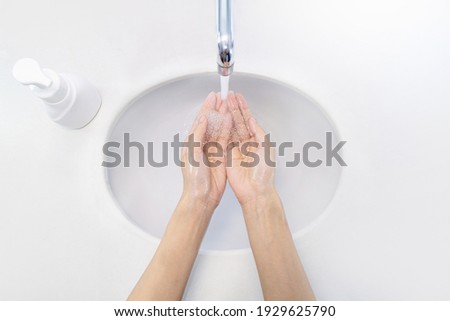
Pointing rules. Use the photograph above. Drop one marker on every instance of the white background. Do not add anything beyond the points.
(381, 69)
(343, 310)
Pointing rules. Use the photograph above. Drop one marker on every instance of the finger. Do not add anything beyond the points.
(240, 126)
(218, 101)
(256, 130)
(243, 106)
(259, 136)
(208, 104)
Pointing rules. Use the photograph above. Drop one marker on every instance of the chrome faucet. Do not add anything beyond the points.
(225, 44)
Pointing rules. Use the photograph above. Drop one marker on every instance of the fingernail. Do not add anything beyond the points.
(211, 99)
(201, 119)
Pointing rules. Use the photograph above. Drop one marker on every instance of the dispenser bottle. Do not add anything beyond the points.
(68, 99)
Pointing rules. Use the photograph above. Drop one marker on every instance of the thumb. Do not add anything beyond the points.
(256, 130)
(199, 133)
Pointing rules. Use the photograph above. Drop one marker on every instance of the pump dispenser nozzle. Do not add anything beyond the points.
(70, 100)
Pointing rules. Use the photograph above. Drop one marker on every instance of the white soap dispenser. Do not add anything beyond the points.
(69, 99)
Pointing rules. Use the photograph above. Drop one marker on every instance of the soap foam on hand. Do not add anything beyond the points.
(215, 120)
(215, 126)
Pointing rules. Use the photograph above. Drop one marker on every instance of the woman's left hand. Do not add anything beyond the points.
(203, 167)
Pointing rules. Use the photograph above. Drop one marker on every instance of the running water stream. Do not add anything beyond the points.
(224, 82)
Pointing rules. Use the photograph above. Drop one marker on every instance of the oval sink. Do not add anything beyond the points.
(148, 195)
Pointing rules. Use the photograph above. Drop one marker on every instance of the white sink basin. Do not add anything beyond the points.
(147, 195)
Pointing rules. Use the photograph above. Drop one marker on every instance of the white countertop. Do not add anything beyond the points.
(380, 69)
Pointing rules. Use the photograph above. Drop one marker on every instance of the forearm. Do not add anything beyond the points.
(167, 274)
(279, 267)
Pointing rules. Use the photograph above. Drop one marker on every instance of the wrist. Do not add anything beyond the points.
(254, 192)
(262, 202)
(196, 205)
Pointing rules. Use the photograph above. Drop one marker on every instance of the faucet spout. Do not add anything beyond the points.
(225, 43)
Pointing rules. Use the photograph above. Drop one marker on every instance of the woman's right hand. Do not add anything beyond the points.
(249, 175)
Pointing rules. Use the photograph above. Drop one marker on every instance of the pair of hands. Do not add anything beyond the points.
(279, 268)
(224, 122)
